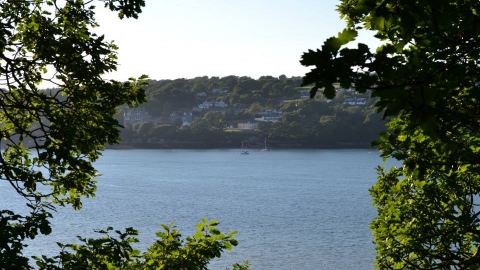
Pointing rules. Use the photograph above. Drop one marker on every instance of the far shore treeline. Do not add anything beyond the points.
(214, 112)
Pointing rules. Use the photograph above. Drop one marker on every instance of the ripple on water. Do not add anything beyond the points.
(293, 209)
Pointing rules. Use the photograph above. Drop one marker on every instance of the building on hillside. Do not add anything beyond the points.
(355, 101)
(270, 116)
(361, 101)
(136, 115)
(180, 116)
(251, 125)
(209, 104)
(220, 104)
(349, 101)
(205, 105)
(304, 93)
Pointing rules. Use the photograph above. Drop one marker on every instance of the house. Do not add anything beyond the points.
(270, 116)
(304, 94)
(202, 94)
(220, 104)
(355, 101)
(185, 123)
(248, 125)
(180, 116)
(205, 105)
(136, 115)
(349, 101)
(361, 101)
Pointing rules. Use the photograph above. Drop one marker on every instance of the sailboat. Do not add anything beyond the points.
(265, 148)
(244, 152)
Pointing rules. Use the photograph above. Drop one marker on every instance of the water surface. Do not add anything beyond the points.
(293, 209)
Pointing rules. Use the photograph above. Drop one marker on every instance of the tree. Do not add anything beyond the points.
(245, 85)
(254, 109)
(170, 251)
(266, 88)
(425, 76)
(50, 139)
(127, 134)
(166, 99)
(200, 84)
(163, 132)
(144, 130)
(230, 82)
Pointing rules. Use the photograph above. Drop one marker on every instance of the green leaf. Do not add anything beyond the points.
(347, 35)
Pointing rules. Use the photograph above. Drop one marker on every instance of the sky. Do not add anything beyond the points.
(192, 38)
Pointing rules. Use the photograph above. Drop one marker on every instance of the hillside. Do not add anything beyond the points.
(222, 112)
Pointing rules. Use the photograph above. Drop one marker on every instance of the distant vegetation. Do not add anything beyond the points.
(222, 112)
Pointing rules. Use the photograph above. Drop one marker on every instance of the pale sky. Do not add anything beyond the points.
(191, 38)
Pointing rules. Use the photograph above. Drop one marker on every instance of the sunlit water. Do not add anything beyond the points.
(293, 209)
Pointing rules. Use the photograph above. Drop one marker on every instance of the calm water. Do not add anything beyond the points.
(293, 209)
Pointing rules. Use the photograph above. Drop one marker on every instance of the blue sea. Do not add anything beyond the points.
(293, 209)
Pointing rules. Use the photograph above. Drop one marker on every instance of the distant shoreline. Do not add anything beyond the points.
(201, 145)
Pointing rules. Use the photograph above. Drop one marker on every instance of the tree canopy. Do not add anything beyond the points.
(426, 77)
(179, 105)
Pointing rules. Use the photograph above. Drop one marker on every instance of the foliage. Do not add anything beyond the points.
(255, 108)
(50, 138)
(169, 251)
(14, 229)
(425, 76)
(350, 125)
(168, 97)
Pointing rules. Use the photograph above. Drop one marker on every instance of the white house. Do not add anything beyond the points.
(136, 115)
(248, 125)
